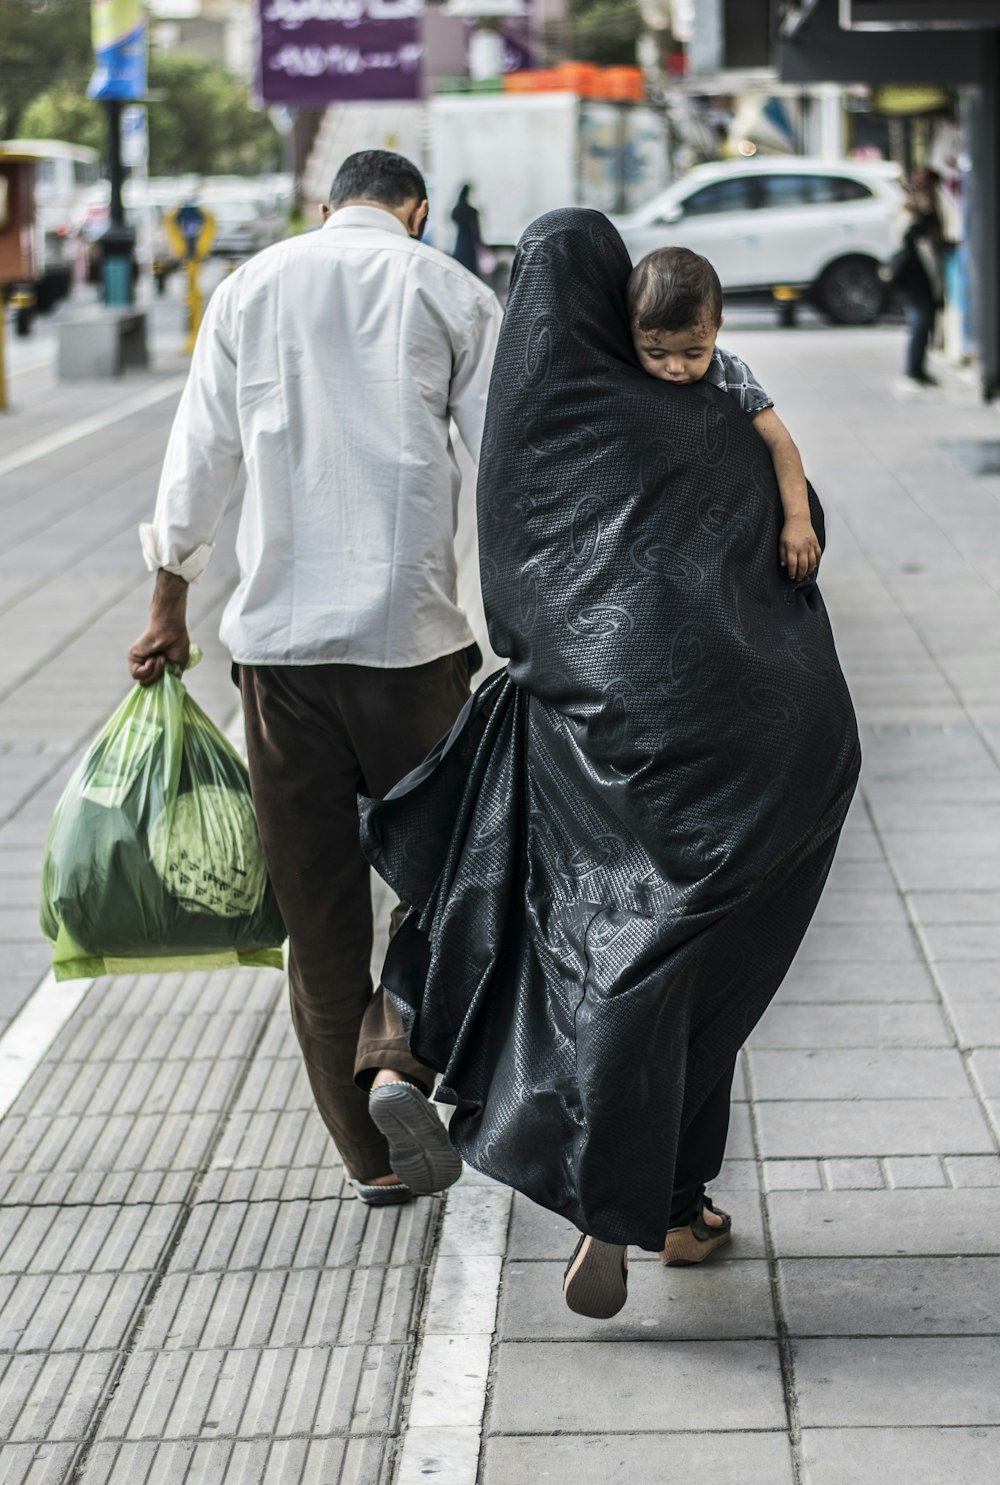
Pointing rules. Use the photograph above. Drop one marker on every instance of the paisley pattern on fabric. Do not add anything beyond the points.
(614, 855)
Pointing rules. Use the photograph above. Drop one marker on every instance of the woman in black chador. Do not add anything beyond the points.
(615, 854)
(467, 237)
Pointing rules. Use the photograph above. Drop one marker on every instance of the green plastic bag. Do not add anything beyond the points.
(153, 861)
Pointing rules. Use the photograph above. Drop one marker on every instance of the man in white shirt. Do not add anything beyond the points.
(329, 368)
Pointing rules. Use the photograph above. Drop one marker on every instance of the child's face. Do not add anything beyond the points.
(677, 355)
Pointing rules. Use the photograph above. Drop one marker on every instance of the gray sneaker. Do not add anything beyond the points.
(420, 1152)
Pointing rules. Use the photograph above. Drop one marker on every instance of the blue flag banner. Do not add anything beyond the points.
(120, 39)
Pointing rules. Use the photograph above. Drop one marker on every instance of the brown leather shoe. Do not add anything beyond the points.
(694, 1243)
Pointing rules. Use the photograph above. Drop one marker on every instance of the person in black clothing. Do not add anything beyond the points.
(467, 240)
(917, 273)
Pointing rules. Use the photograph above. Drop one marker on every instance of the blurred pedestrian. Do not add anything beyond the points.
(468, 240)
(917, 272)
(329, 367)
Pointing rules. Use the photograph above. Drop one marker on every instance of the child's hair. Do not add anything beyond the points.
(672, 288)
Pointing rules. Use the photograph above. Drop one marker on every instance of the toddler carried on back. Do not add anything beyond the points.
(675, 315)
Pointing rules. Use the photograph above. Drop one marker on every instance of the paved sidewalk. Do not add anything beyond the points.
(188, 1294)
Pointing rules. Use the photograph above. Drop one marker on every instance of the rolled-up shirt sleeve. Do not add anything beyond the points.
(470, 379)
(204, 454)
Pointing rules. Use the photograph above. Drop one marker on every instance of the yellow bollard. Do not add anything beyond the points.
(195, 304)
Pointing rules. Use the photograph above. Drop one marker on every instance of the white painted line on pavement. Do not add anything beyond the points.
(33, 1030)
(86, 426)
(444, 1430)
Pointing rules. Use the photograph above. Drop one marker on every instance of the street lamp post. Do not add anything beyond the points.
(118, 242)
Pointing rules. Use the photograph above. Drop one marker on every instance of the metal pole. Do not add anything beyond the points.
(118, 241)
(116, 172)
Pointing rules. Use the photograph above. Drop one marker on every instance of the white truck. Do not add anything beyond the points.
(527, 153)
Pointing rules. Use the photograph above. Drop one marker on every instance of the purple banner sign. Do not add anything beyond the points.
(314, 52)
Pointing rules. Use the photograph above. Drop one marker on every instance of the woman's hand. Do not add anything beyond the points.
(799, 550)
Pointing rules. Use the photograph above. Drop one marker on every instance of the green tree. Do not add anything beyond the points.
(604, 31)
(65, 112)
(42, 43)
(203, 122)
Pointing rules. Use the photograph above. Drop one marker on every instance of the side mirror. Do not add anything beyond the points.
(669, 216)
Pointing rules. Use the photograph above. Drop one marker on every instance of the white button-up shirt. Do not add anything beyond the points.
(330, 366)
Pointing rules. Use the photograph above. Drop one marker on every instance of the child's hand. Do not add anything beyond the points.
(799, 550)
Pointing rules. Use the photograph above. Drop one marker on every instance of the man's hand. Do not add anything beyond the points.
(166, 640)
(799, 550)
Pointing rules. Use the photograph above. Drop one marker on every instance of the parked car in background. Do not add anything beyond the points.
(65, 178)
(250, 212)
(819, 226)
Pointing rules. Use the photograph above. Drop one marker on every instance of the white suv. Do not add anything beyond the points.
(821, 226)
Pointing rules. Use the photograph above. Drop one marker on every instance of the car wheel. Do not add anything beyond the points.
(851, 292)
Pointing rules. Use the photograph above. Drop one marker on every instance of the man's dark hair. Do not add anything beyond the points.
(672, 288)
(377, 175)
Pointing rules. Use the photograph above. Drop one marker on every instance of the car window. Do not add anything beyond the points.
(809, 190)
(845, 189)
(722, 195)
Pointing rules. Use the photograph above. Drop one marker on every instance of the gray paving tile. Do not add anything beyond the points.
(130, 1088)
(158, 1038)
(738, 1175)
(37, 1464)
(256, 1393)
(974, 1170)
(850, 907)
(868, 875)
(538, 1234)
(792, 1175)
(977, 1022)
(956, 907)
(717, 1301)
(247, 1184)
(568, 1387)
(275, 1140)
(153, 1463)
(916, 1170)
(51, 1398)
(99, 1188)
(896, 1381)
(986, 1066)
(275, 1085)
(300, 1234)
(650, 1459)
(866, 1026)
(814, 1224)
(68, 1312)
(852, 1175)
(969, 862)
(969, 980)
(843, 1456)
(275, 1308)
(81, 1239)
(891, 1296)
(858, 1073)
(876, 1127)
(854, 981)
(872, 943)
(958, 942)
(101, 1142)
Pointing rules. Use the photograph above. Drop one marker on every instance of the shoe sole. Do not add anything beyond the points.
(595, 1284)
(420, 1152)
(382, 1196)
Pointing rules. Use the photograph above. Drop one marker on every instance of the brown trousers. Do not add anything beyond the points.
(317, 736)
